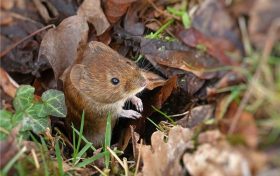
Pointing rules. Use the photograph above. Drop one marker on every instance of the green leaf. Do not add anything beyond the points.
(5, 122)
(37, 110)
(186, 20)
(37, 125)
(54, 103)
(24, 97)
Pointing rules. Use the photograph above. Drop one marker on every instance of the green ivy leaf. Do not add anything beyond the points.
(37, 109)
(54, 103)
(24, 97)
(5, 122)
(37, 125)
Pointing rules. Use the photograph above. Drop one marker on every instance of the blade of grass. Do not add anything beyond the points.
(158, 127)
(79, 138)
(82, 152)
(59, 159)
(165, 115)
(44, 148)
(160, 30)
(84, 139)
(107, 140)
(92, 159)
(13, 160)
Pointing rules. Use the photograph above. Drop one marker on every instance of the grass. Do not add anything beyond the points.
(107, 142)
(59, 159)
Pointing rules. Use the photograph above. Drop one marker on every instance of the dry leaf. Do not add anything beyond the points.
(7, 83)
(210, 160)
(175, 55)
(223, 29)
(245, 128)
(153, 80)
(60, 45)
(115, 9)
(196, 116)
(7, 4)
(215, 157)
(163, 158)
(92, 11)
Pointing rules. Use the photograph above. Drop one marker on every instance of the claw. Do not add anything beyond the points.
(130, 114)
(137, 102)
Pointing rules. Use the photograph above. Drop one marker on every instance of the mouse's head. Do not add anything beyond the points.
(106, 76)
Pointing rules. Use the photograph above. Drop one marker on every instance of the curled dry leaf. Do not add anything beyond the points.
(7, 4)
(246, 127)
(131, 23)
(92, 11)
(196, 116)
(5, 18)
(216, 161)
(60, 45)
(163, 158)
(154, 80)
(7, 83)
(47, 10)
(175, 55)
(194, 38)
(115, 9)
(214, 156)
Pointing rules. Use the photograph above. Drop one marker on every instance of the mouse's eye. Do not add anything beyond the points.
(115, 81)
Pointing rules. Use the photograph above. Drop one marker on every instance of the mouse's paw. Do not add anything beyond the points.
(130, 114)
(137, 102)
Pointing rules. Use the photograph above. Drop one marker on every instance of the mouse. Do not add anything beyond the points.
(100, 83)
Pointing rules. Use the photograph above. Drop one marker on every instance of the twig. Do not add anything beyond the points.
(35, 158)
(162, 12)
(119, 160)
(100, 171)
(138, 158)
(7, 50)
(271, 39)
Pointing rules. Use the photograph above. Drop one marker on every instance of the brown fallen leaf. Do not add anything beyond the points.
(47, 10)
(5, 18)
(192, 37)
(196, 116)
(175, 55)
(210, 160)
(163, 158)
(153, 80)
(213, 19)
(115, 9)
(60, 45)
(7, 83)
(7, 4)
(92, 11)
(245, 128)
(214, 156)
(131, 21)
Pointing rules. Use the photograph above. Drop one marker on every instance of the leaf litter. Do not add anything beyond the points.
(197, 67)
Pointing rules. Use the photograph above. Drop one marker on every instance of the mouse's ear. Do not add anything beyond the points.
(76, 75)
(95, 46)
(95, 51)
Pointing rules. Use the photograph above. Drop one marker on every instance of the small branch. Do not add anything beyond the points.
(7, 50)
